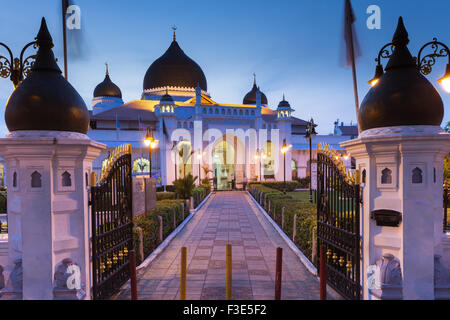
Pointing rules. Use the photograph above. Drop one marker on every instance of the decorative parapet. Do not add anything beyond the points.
(350, 176)
(178, 90)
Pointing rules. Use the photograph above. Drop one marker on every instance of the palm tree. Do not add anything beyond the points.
(185, 186)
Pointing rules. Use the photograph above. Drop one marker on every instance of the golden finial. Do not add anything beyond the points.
(357, 177)
(107, 72)
(174, 28)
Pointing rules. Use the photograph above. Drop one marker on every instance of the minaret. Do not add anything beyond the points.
(284, 125)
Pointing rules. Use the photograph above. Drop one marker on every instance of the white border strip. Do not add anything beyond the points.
(141, 268)
(308, 264)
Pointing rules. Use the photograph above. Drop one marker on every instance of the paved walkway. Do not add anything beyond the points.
(227, 217)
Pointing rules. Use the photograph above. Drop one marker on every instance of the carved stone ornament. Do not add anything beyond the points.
(390, 271)
(441, 275)
(2, 278)
(16, 276)
(67, 275)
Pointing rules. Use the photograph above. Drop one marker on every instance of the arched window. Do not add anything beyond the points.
(246, 112)
(178, 124)
(240, 112)
(235, 112)
(210, 110)
(364, 176)
(229, 111)
(223, 111)
(386, 176)
(15, 179)
(417, 175)
(205, 110)
(66, 179)
(216, 111)
(253, 112)
(36, 181)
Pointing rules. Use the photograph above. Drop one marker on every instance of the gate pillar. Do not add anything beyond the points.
(48, 160)
(399, 153)
(401, 217)
(48, 212)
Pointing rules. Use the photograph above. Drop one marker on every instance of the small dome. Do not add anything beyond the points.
(107, 88)
(402, 96)
(174, 69)
(45, 100)
(250, 97)
(166, 98)
(284, 104)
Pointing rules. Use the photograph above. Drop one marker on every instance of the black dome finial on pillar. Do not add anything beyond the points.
(45, 101)
(401, 57)
(45, 59)
(402, 96)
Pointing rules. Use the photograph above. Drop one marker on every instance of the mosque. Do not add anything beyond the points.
(231, 143)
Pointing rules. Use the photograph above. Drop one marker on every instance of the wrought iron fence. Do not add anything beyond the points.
(445, 206)
(338, 223)
(112, 237)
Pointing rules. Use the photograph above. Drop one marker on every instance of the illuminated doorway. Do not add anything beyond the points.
(224, 170)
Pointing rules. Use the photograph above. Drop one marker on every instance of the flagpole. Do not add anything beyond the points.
(64, 8)
(352, 56)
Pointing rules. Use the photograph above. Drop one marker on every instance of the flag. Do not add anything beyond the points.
(352, 49)
(351, 41)
(139, 122)
(117, 123)
(165, 130)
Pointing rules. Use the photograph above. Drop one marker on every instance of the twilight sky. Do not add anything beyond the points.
(294, 47)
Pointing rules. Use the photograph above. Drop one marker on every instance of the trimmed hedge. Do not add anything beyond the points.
(150, 224)
(3, 198)
(169, 188)
(306, 214)
(199, 193)
(279, 185)
(165, 196)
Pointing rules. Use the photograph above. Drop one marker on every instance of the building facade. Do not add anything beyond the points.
(228, 143)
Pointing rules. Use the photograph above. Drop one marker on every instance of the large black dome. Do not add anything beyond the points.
(175, 69)
(107, 88)
(45, 100)
(250, 97)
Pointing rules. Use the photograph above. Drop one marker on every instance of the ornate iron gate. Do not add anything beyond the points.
(338, 200)
(112, 235)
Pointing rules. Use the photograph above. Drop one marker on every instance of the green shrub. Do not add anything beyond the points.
(165, 195)
(149, 223)
(169, 188)
(199, 193)
(3, 202)
(303, 183)
(279, 185)
(306, 214)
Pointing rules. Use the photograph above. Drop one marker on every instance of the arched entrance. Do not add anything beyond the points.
(224, 165)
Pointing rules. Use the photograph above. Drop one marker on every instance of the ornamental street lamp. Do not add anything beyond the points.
(16, 68)
(260, 156)
(151, 143)
(423, 63)
(199, 158)
(310, 134)
(284, 149)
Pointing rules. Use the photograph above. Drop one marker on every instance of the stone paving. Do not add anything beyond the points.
(227, 217)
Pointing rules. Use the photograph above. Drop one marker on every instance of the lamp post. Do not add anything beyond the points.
(284, 149)
(423, 63)
(310, 134)
(151, 143)
(199, 158)
(16, 68)
(174, 145)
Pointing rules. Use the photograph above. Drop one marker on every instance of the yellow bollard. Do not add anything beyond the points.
(183, 274)
(228, 270)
